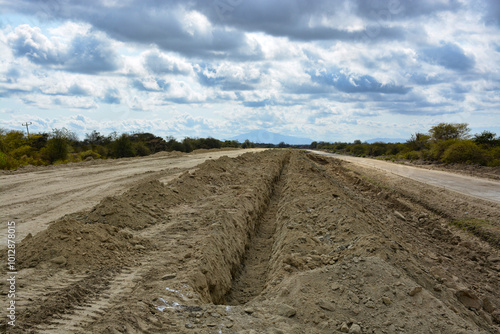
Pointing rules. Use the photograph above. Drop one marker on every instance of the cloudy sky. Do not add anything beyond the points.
(322, 69)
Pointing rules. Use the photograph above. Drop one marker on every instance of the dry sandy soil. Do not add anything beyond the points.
(36, 196)
(278, 241)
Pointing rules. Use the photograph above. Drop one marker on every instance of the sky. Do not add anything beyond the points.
(320, 69)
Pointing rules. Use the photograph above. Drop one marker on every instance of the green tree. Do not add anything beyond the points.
(247, 144)
(486, 138)
(122, 147)
(446, 131)
(57, 147)
(231, 143)
(418, 142)
(188, 144)
(94, 139)
(174, 145)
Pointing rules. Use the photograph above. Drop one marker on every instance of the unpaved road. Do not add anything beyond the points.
(467, 185)
(34, 199)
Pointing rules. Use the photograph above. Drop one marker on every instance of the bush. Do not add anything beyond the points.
(7, 162)
(412, 155)
(11, 140)
(56, 149)
(464, 152)
(122, 147)
(90, 153)
(493, 159)
(438, 148)
(21, 151)
(359, 149)
(101, 150)
(141, 149)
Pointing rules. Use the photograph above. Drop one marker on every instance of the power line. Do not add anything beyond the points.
(27, 130)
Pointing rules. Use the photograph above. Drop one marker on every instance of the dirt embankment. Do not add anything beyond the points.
(36, 198)
(273, 242)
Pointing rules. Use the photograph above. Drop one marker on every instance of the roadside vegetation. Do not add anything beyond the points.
(444, 143)
(63, 146)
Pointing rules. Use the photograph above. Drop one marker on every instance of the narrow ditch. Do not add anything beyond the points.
(252, 276)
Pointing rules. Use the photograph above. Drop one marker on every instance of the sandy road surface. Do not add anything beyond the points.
(467, 185)
(36, 198)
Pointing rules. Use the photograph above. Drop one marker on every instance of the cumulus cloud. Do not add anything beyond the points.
(88, 54)
(158, 62)
(492, 12)
(448, 55)
(229, 76)
(111, 96)
(294, 64)
(182, 93)
(150, 84)
(353, 83)
(397, 10)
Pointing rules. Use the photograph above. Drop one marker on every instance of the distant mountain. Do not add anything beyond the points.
(386, 140)
(266, 137)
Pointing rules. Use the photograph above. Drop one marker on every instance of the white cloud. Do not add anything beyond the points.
(323, 70)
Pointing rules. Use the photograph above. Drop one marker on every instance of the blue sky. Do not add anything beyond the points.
(322, 69)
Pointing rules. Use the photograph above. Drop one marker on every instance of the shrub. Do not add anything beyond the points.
(122, 147)
(21, 151)
(493, 159)
(7, 162)
(438, 148)
(464, 151)
(74, 157)
(56, 149)
(11, 140)
(412, 155)
(141, 149)
(90, 153)
(101, 150)
(358, 149)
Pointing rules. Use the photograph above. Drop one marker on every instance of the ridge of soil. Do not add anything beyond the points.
(279, 241)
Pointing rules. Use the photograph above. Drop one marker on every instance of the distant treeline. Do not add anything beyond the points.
(445, 142)
(63, 146)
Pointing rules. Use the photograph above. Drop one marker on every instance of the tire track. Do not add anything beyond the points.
(82, 315)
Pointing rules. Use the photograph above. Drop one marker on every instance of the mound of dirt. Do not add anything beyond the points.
(172, 154)
(272, 242)
(137, 208)
(73, 244)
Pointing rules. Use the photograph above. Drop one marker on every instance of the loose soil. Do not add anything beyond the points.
(36, 196)
(279, 241)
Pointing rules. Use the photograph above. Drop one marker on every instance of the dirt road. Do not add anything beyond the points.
(34, 199)
(471, 186)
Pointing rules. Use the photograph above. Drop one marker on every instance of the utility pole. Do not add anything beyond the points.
(27, 130)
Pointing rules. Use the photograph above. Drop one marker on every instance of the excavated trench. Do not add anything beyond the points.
(302, 242)
(251, 277)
